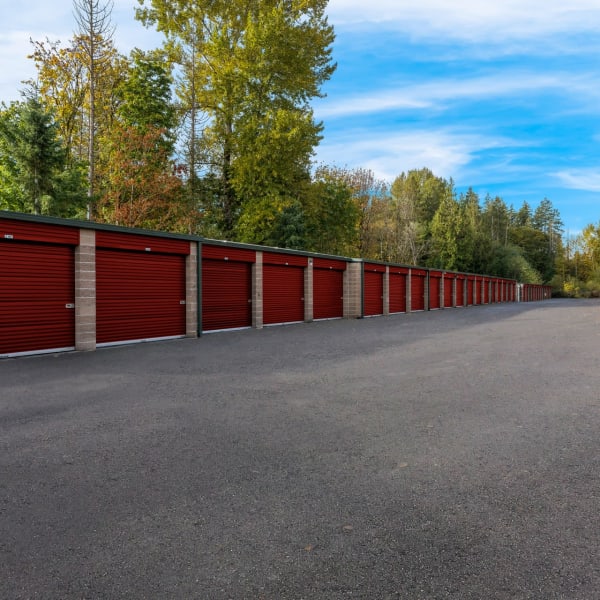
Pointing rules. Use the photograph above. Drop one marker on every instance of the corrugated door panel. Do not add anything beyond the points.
(417, 291)
(37, 282)
(226, 294)
(448, 286)
(478, 292)
(114, 240)
(329, 263)
(460, 292)
(470, 289)
(228, 253)
(283, 294)
(485, 294)
(280, 258)
(38, 232)
(434, 291)
(397, 292)
(373, 293)
(139, 296)
(328, 293)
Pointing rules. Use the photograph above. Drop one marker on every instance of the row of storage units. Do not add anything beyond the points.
(68, 285)
(413, 289)
(528, 292)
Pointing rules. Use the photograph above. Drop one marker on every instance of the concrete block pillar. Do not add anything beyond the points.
(409, 291)
(308, 292)
(386, 291)
(257, 291)
(191, 292)
(85, 291)
(353, 290)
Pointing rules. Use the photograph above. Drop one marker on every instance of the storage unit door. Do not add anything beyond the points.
(478, 292)
(283, 294)
(226, 294)
(37, 295)
(328, 293)
(417, 292)
(434, 292)
(397, 292)
(470, 285)
(460, 292)
(486, 291)
(373, 293)
(139, 296)
(448, 286)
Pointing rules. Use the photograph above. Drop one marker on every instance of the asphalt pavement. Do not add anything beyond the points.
(451, 454)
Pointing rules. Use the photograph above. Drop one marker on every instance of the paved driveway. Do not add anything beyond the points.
(453, 454)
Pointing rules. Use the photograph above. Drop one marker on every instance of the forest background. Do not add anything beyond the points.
(213, 134)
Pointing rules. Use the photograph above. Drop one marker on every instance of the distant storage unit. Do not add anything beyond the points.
(373, 289)
(449, 281)
(226, 287)
(283, 287)
(435, 289)
(418, 280)
(140, 287)
(328, 288)
(397, 289)
(37, 287)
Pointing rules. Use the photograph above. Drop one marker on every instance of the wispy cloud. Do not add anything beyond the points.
(446, 152)
(587, 179)
(471, 20)
(438, 92)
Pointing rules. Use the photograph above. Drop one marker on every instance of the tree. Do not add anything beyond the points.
(93, 19)
(142, 186)
(415, 198)
(332, 216)
(370, 196)
(144, 96)
(32, 159)
(251, 69)
(68, 78)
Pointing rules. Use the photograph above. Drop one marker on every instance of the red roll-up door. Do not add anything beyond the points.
(37, 296)
(460, 292)
(470, 290)
(373, 289)
(226, 294)
(485, 284)
(328, 292)
(448, 285)
(478, 292)
(283, 294)
(434, 290)
(139, 295)
(397, 287)
(417, 290)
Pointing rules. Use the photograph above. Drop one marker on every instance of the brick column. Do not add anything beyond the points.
(386, 291)
(85, 291)
(257, 291)
(454, 284)
(191, 292)
(353, 290)
(308, 292)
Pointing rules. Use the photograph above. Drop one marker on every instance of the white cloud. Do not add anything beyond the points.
(444, 151)
(427, 96)
(40, 19)
(471, 20)
(580, 179)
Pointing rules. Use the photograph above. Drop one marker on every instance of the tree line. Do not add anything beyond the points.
(213, 134)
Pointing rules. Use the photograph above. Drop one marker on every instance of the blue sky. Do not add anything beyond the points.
(503, 97)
